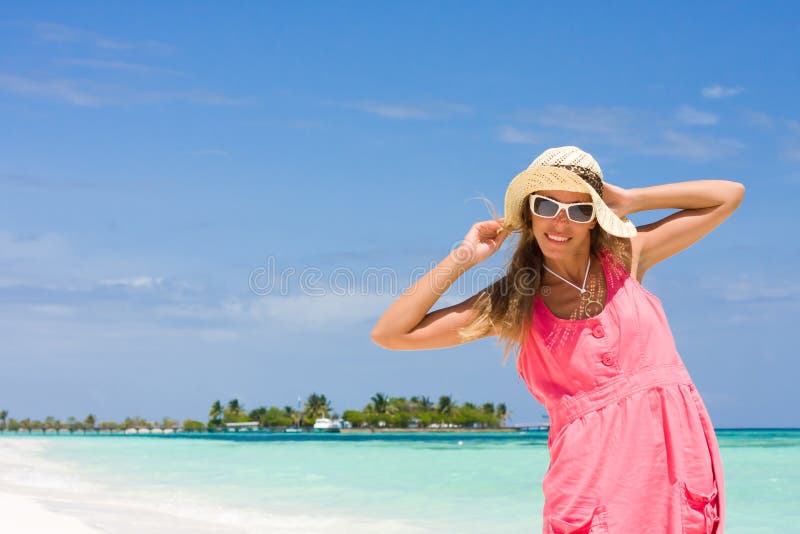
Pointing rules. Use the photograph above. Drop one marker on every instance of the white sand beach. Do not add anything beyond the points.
(23, 513)
(24, 507)
(38, 495)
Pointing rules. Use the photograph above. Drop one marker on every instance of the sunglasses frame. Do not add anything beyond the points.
(562, 205)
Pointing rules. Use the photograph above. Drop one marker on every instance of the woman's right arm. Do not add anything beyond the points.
(408, 325)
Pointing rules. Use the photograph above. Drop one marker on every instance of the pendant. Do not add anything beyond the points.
(592, 307)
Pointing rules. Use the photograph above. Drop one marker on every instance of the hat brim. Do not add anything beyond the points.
(547, 177)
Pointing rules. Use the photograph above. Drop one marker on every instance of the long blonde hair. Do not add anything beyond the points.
(506, 304)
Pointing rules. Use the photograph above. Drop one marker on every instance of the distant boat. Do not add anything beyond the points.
(293, 429)
(323, 424)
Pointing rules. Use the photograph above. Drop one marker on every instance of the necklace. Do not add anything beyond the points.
(592, 306)
(581, 289)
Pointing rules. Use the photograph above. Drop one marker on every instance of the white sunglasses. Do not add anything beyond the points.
(579, 212)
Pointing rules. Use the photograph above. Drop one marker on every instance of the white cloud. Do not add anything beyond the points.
(790, 150)
(138, 282)
(718, 91)
(84, 93)
(636, 131)
(689, 115)
(38, 247)
(407, 112)
(53, 310)
(116, 65)
(746, 288)
(608, 120)
(759, 119)
(50, 264)
(791, 153)
(510, 134)
(65, 90)
(323, 311)
(672, 143)
(59, 33)
(392, 111)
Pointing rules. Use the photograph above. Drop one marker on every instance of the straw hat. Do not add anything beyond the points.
(564, 168)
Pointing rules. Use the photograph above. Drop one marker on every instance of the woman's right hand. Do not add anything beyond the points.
(482, 240)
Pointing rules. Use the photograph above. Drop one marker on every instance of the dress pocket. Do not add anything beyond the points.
(700, 510)
(581, 521)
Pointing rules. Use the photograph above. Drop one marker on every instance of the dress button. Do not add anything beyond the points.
(598, 331)
(607, 359)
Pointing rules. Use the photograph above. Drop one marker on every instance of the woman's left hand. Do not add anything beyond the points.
(617, 198)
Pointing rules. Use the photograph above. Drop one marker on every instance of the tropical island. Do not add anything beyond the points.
(382, 413)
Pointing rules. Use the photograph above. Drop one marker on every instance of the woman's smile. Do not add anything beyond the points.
(557, 238)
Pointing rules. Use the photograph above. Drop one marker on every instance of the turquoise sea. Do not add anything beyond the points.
(443, 483)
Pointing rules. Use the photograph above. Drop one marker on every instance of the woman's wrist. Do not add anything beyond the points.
(461, 258)
(632, 201)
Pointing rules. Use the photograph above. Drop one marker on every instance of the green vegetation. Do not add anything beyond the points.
(420, 412)
(382, 411)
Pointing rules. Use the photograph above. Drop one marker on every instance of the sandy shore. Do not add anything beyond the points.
(23, 514)
(23, 496)
(38, 495)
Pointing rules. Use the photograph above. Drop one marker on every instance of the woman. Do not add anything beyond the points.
(632, 447)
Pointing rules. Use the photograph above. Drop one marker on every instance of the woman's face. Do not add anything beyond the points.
(547, 231)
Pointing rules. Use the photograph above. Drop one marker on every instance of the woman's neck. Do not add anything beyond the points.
(572, 267)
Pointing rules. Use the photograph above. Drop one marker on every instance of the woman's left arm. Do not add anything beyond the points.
(704, 204)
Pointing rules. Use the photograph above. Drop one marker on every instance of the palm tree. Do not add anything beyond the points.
(317, 406)
(488, 408)
(380, 402)
(215, 414)
(502, 412)
(398, 404)
(425, 403)
(51, 422)
(166, 422)
(234, 412)
(289, 411)
(89, 422)
(234, 407)
(3, 415)
(445, 406)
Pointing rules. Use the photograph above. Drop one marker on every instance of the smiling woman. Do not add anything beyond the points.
(631, 443)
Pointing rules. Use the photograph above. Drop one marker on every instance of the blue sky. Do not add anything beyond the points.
(154, 158)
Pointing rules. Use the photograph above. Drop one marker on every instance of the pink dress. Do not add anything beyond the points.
(632, 447)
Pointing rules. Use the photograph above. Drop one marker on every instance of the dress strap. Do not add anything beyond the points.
(614, 270)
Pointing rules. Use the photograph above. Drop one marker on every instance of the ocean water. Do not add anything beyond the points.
(410, 483)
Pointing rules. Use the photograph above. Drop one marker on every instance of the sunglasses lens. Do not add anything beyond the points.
(544, 207)
(581, 213)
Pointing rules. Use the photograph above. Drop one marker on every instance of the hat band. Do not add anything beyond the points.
(589, 176)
